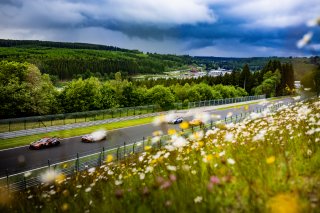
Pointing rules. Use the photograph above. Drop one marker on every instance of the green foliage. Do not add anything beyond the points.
(269, 84)
(108, 97)
(82, 95)
(312, 80)
(161, 96)
(317, 81)
(75, 62)
(24, 91)
(246, 78)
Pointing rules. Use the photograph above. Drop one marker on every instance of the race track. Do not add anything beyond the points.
(22, 159)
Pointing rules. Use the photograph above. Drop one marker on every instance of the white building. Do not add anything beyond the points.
(219, 72)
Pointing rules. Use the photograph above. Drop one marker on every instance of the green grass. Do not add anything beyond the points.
(24, 140)
(266, 165)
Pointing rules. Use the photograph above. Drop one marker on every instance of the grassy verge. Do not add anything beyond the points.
(19, 141)
(117, 113)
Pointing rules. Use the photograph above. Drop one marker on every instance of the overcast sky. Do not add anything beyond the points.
(233, 28)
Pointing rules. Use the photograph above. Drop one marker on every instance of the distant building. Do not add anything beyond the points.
(219, 72)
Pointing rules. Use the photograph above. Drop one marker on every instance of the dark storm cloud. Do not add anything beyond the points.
(256, 25)
(16, 3)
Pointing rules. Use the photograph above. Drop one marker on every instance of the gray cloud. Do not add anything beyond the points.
(16, 3)
(193, 25)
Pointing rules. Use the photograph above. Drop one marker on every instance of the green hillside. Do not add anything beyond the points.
(67, 60)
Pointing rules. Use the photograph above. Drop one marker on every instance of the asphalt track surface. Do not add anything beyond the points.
(22, 159)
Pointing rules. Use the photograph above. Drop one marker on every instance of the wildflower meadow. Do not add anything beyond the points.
(269, 162)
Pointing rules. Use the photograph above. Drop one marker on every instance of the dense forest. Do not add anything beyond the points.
(66, 61)
(72, 60)
(25, 91)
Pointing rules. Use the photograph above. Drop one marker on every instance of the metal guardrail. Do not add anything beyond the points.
(19, 133)
(24, 123)
(84, 161)
(224, 101)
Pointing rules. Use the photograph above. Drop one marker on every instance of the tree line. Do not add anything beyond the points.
(24, 91)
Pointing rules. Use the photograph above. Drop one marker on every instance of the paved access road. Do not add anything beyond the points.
(22, 159)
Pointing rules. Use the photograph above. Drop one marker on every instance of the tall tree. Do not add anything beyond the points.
(161, 95)
(82, 95)
(24, 91)
(317, 81)
(245, 78)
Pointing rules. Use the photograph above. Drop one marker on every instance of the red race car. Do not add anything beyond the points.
(44, 143)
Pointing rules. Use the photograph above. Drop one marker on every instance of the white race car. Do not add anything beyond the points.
(95, 136)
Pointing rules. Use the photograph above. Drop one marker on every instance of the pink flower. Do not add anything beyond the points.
(210, 186)
(172, 177)
(214, 180)
(159, 180)
(166, 185)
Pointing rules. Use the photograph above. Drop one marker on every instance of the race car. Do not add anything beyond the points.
(176, 121)
(45, 143)
(95, 136)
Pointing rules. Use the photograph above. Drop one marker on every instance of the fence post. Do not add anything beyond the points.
(211, 124)
(100, 159)
(103, 153)
(25, 124)
(48, 163)
(143, 142)
(7, 174)
(24, 182)
(124, 149)
(118, 153)
(134, 144)
(77, 163)
(112, 113)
